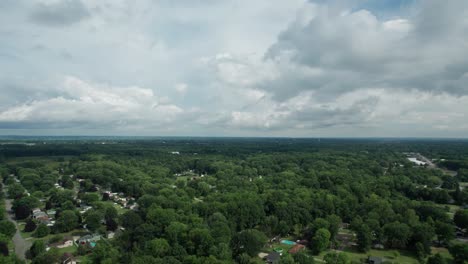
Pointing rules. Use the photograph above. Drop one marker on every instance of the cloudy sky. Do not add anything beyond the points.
(380, 68)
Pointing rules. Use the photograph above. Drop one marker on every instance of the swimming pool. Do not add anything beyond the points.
(288, 242)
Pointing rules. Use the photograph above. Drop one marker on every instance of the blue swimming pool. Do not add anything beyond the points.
(288, 242)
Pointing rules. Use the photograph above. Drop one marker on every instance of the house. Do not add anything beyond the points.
(296, 248)
(51, 213)
(89, 239)
(378, 246)
(39, 214)
(110, 235)
(85, 208)
(66, 242)
(374, 260)
(43, 219)
(273, 258)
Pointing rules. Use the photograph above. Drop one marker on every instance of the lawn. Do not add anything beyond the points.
(71, 249)
(21, 225)
(444, 252)
(119, 208)
(395, 256)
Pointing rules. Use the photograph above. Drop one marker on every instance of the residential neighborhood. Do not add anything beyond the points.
(72, 219)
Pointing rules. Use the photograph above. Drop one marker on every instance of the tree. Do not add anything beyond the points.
(445, 232)
(364, 238)
(90, 198)
(93, 220)
(7, 228)
(4, 248)
(110, 213)
(461, 218)
(397, 234)
(131, 220)
(176, 232)
(320, 223)
(436, 259)
(336, 258)
(4, 245)
(334, 222)
(22, 212)
(104, 253)
(459, 252)
(27, 201)
(158, 247)
(68, 183)
(320, 241)
(37, 248)
(42, 231)
(15, 190)
(249, 241)
(30, 226)
(200, 241)
(302, 258)
(420, 252)
(67, 221)
(83, 249)
(243, 258)
(287, 259)
(111, 225)
(51, 256)
(219, 227)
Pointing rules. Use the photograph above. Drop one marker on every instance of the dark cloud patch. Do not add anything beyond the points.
(61, 13)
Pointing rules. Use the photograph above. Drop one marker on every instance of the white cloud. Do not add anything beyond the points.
(267, 67)
(94, 104)
(181, 88)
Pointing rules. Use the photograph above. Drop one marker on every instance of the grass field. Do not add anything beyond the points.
(395, 256)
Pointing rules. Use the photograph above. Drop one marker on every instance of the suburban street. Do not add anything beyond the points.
(21, 245)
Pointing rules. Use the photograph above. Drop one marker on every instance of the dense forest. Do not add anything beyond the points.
(235, 200)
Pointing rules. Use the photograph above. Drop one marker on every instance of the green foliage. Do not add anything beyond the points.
(302, 258)
(436, 259)
(131, 220)
(398, 234)
(364, 238)
(298, 188)
(93, 220)
(459, 252)
(249, 241)
(37, 248)
(104, 253)
(90, 198)
(15, 190)
(7, 228)
(158, 247)
(461, 218)
(445, 232)
(336, 258)
(42, 231)
(51, 256)
(67, 221)
(320, 241)
(287, 259)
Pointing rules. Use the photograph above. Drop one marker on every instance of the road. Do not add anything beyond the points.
(434, 166)
(21, 245)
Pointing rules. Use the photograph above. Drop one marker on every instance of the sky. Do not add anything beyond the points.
(262, 68)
